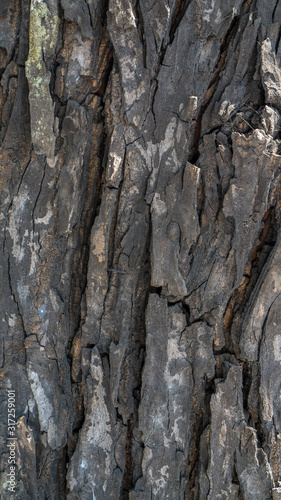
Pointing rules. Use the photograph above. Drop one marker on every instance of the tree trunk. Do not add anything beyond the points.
(140, 251)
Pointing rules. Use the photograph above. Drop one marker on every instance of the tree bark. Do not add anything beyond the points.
(140, 249)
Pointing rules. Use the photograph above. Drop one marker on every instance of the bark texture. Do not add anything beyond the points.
(140, 246)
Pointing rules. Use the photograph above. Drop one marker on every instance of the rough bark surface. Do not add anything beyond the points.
(140, 219)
